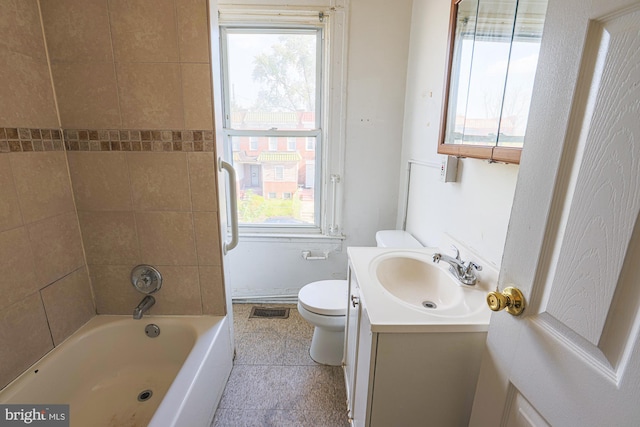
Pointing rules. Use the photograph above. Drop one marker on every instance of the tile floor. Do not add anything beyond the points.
(274, 382)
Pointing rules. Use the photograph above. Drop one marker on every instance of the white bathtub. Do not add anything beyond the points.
(102, 368)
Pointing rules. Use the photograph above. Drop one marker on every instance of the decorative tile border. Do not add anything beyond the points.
(15, 140)
(138, 140)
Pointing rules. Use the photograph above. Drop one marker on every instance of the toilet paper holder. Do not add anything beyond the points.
(306, 255)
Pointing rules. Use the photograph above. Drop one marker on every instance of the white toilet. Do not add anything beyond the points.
(324, 304)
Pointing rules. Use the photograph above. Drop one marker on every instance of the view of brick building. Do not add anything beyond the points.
(275, 167)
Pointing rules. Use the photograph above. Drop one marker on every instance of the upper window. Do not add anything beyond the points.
(273, 143)
(253, 143)
(310, 144)
(272, 92)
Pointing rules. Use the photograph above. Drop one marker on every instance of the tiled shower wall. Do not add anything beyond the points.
(132, 92)
(155, 208)
(132, 80)
(44, 285)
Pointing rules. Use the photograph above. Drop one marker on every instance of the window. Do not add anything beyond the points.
(310, 144)
(279, 173)
(273, 143)
(273, 87)
(253, 143)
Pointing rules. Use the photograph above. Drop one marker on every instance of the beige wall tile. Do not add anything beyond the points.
(113, 290)
(143, 30)
(57, 247)
(202, 176)
(77, 30)
(159, 181)
(109, 237)
(24, 337)
(180, 292)
(100, 181)
(150, 96)
(193, 30)
(17, 268)
(42, 182)
(207, 238)
(68, 304)
(10, 216)
(87, 95)
(20, 28)
(166, 238)
(212, 290)
(26, 92)
(196, 90)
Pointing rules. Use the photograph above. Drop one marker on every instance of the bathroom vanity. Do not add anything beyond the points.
(406, 363)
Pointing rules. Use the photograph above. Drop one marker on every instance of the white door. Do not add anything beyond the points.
(573, 246)
(223, 175)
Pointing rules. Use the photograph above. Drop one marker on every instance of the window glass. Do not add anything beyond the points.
(271, 80)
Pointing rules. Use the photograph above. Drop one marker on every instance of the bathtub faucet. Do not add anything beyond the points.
(144, 305)
(465, 273)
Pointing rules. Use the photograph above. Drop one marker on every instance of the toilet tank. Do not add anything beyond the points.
(396, 239)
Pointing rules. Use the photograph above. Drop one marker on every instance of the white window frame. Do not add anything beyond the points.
(332, 17)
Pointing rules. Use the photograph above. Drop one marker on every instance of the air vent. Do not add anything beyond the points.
(269, 313)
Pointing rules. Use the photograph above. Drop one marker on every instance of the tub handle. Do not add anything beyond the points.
(233, 205)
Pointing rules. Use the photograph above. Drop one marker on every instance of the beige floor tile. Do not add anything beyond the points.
(274, 381)
(296, 352)
(278, 418)
(259, 349)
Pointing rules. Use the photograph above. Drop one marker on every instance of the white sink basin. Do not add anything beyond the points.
(416, 281)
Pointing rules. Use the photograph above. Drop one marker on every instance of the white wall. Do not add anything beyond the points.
(474, 210)
(378, 45)
(378, 53)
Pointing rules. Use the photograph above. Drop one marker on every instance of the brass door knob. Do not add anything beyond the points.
(510, 299)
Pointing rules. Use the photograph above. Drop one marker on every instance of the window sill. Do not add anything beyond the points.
(275, 236)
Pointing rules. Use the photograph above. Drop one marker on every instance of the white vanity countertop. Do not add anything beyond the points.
(388, 314)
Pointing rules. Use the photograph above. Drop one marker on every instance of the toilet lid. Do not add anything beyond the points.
(326, 297)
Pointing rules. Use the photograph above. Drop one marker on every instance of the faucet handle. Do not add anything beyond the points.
(473, 265)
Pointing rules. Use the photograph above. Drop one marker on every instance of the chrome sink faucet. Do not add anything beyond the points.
(144, 305)
(465, 273)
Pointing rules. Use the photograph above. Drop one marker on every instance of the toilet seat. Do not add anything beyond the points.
(325, 297)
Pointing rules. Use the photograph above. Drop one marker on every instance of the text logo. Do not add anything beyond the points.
(34, 415)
